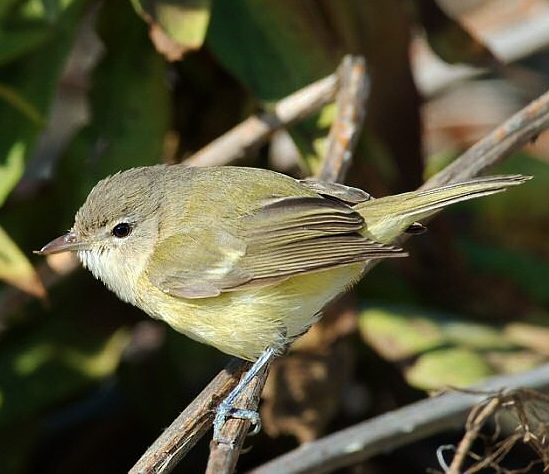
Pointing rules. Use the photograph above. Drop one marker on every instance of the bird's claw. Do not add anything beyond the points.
(226, 408)
(225, 411)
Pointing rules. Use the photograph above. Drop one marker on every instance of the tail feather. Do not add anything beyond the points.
(386, 218)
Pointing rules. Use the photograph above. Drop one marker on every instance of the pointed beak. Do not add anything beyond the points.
(65, 243)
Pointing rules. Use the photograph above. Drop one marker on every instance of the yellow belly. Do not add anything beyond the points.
(244, 323)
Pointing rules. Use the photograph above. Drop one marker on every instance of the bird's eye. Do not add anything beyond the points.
(121, 230)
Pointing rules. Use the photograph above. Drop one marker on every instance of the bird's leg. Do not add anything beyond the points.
(226, 408)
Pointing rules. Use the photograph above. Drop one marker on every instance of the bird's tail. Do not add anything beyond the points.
(386, 218)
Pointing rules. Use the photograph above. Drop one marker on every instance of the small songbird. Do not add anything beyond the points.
(242, 259)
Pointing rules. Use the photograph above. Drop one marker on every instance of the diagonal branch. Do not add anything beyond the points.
(516, 132)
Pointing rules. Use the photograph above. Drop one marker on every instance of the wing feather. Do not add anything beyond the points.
(283, 237)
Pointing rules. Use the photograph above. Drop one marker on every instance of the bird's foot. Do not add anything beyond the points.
(226, 411)
(226, 408)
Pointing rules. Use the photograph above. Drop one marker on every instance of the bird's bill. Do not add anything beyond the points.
(65, 243)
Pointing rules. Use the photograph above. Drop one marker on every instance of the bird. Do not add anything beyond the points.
(243, 259)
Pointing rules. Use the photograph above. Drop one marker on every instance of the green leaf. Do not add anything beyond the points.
(15, 43)
(94, 365)
(130, 105)
(453, 367)
(177, 26)
(399, 333)
(272, 47)
(15, 268)
(11, 171)
(51, 364)
(187, 23)
(473, 335)
(437, 350)
(29, 81)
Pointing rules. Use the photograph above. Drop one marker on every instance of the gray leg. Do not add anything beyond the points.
(226, 408)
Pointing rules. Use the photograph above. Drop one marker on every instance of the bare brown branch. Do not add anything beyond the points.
(475, 423)
(257, 129)
(512, 135)
(347, 126)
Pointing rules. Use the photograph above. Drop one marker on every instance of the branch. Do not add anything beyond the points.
(396, 428)
(257, 129)
(347, 125)
(521, 129)
(224, 455)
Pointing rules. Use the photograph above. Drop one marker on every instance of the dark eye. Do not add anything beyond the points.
(121, 230)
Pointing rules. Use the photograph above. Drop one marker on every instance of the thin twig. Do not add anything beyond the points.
(257, 129)
(396, 428)
(347, 126)
(528, 407)
(516, 132)
(476, 422)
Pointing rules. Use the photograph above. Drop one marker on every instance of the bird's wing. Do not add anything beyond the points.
(283, 237)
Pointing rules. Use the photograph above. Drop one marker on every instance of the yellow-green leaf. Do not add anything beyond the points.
(16, 270)
(454, 367)
(176, 26)
(12, 170)
(92, 364)
(18, 102)
(398, 334)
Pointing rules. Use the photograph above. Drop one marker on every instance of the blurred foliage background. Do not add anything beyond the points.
(88, 88)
